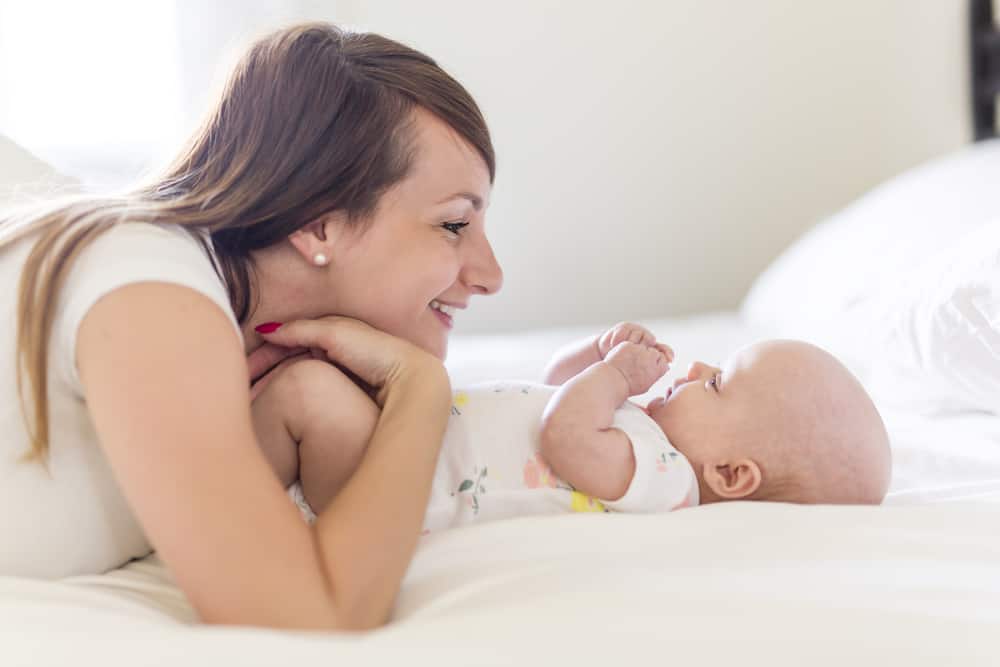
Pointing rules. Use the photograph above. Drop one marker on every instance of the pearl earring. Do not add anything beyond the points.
(319, 259)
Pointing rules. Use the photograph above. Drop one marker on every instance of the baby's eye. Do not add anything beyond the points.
(714, 382)
(454, 227)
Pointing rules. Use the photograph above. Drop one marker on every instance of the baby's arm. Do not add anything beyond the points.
(313, 424)
(576, 357)
(577, 439)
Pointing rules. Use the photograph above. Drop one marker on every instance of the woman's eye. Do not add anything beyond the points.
(454, 227)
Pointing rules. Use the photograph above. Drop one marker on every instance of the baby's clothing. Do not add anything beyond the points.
(489, 466)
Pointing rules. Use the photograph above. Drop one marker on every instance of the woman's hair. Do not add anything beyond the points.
(313, 119)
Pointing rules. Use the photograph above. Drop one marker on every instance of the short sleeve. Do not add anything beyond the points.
(127, 254)
(664, 479)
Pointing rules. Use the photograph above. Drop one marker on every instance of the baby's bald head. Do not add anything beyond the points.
(784, 421)
(828, 444)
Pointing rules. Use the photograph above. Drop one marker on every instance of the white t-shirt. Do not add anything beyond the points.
(72, 519)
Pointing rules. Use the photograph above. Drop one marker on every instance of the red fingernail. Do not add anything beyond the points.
(268, 327)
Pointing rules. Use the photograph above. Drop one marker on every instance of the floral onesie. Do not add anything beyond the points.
(489, 467)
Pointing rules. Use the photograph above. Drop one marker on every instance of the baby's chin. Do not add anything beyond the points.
(655, 406)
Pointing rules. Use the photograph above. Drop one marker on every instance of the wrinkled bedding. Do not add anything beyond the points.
(916, 581)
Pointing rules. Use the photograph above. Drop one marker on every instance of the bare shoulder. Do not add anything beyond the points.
(171, 329)
(166, 384)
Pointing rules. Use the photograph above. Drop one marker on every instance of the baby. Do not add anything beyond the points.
(781, 421)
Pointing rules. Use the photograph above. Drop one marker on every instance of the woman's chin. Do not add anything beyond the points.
(434, 345)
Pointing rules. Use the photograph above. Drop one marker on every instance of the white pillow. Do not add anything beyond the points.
(824, 286)
(940, 331)
(24, 176)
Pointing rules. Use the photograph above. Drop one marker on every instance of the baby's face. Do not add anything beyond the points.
(710, 408)
(791, 409)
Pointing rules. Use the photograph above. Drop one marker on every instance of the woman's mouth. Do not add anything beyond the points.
(444, 313)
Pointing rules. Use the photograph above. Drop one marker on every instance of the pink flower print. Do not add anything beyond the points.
(537, 473)
(687, 502)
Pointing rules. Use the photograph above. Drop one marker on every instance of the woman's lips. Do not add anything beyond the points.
(445, 319)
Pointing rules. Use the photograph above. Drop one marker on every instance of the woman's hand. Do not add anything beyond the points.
(377, 359)
(391, 486)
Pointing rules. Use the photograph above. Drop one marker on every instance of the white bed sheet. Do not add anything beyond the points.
(914, 582)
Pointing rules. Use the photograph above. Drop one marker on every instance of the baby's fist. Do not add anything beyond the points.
(641, 366)
(624, 332)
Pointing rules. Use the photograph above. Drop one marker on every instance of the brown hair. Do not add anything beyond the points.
(313, 119)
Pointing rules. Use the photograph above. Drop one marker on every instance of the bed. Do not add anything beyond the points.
(916, 581)
(903, 285)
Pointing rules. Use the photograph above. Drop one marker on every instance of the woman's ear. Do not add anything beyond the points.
(733, 480)
(315, 240)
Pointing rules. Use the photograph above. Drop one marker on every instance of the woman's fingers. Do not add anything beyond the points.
(371, 355)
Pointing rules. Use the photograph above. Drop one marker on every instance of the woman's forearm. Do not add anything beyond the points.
(368, 533)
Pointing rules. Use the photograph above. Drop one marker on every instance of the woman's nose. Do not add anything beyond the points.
(482, 272)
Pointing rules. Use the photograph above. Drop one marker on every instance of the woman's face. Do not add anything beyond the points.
(412, 268)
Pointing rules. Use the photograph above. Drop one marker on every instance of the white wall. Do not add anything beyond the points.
(655, 156)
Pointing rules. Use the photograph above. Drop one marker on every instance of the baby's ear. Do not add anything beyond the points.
(733, 480)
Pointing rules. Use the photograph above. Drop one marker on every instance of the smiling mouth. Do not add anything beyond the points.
(443, 316)
(443, 308)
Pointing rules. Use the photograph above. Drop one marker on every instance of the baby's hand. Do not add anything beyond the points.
(642, 366)
(631, 333)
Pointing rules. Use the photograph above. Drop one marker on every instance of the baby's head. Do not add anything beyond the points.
(782, 420)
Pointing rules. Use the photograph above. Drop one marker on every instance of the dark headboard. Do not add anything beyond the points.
(984, 39)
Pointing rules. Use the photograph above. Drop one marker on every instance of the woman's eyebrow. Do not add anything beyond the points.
(476, 200)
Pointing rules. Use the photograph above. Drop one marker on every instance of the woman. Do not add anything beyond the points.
(339, 174)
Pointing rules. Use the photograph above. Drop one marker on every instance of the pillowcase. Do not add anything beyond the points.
(23, 176)
(940, 332)
(828, 286)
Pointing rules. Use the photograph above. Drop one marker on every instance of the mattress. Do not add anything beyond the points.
(916, 581)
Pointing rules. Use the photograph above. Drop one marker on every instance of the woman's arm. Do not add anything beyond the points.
(165, 382)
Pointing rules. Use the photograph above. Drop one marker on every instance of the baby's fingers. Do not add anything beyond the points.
(660, 362)
(666, 350)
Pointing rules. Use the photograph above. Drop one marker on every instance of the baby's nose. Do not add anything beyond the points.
(699, 369)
